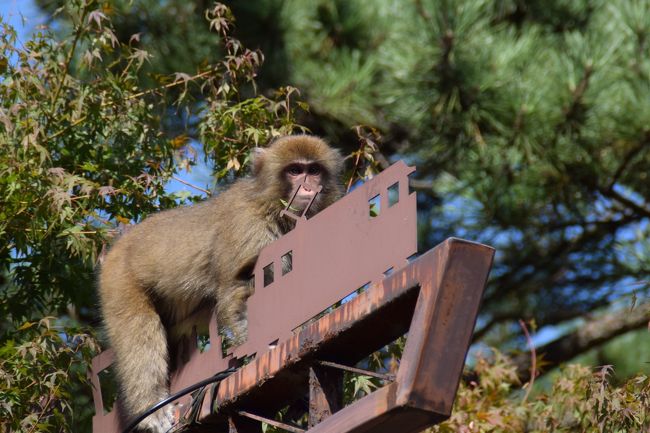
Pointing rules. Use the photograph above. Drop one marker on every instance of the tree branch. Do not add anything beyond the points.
(593, 333)
(614, 195)
(552, 261)
(626, 161)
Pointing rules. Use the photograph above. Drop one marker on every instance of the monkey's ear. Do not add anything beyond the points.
(257, 159)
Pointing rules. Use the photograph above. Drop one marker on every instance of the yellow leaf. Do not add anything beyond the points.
(26, 325)
(180, 141)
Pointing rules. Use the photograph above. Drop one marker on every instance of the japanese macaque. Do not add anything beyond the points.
(174, 262)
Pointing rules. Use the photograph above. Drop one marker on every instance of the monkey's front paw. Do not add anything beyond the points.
(159, 422)
(239, 332)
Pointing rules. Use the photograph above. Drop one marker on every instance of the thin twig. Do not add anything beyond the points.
(126, 68)
(81, 232)
(422, 11)
(92, 232)
(626, 161)
(73, 124)
(533, 359)
(42, 412)
(68, 60)
(169, 85)
(354, 171)
(50, 397)
(205, 191)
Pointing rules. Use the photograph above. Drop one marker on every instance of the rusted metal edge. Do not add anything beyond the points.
(431, 269)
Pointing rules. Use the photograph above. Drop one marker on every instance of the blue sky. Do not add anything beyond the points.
(23, 15)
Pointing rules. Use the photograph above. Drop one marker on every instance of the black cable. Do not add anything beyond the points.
(216, 378)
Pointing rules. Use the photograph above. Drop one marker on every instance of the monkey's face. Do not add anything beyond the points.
(300, 170)
(305, 180)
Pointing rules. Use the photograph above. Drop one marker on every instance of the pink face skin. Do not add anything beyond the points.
(309, 173)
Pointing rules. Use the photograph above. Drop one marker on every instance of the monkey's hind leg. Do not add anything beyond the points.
(139, 341)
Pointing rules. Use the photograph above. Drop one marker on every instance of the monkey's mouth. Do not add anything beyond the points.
(303, 197)
(301, 201)
(298, 205)
(304, 202)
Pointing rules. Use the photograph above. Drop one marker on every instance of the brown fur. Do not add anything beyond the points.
(163, 269)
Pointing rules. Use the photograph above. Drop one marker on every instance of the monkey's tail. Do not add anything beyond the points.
(214, 379)
(137, 337)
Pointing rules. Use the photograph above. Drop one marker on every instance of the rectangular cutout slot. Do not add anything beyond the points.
(287, 263)
(393, 194)
(360, 290)
(374, 206)
(268, 274)
(203, 341)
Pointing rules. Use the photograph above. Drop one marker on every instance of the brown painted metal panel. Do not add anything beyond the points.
(200, 365)
(335, 252)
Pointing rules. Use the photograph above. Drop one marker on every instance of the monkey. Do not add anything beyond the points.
(172, 263)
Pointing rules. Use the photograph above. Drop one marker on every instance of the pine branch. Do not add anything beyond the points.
(577, 95)
(627, 160)
(554, 259)
(641, 210)
(422, 11)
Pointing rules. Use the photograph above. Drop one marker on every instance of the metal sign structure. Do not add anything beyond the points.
(335, 289)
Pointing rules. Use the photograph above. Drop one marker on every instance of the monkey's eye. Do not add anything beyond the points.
(314, 170)
(295, 170)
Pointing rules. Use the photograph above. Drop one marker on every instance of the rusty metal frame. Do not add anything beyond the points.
(434, 299)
